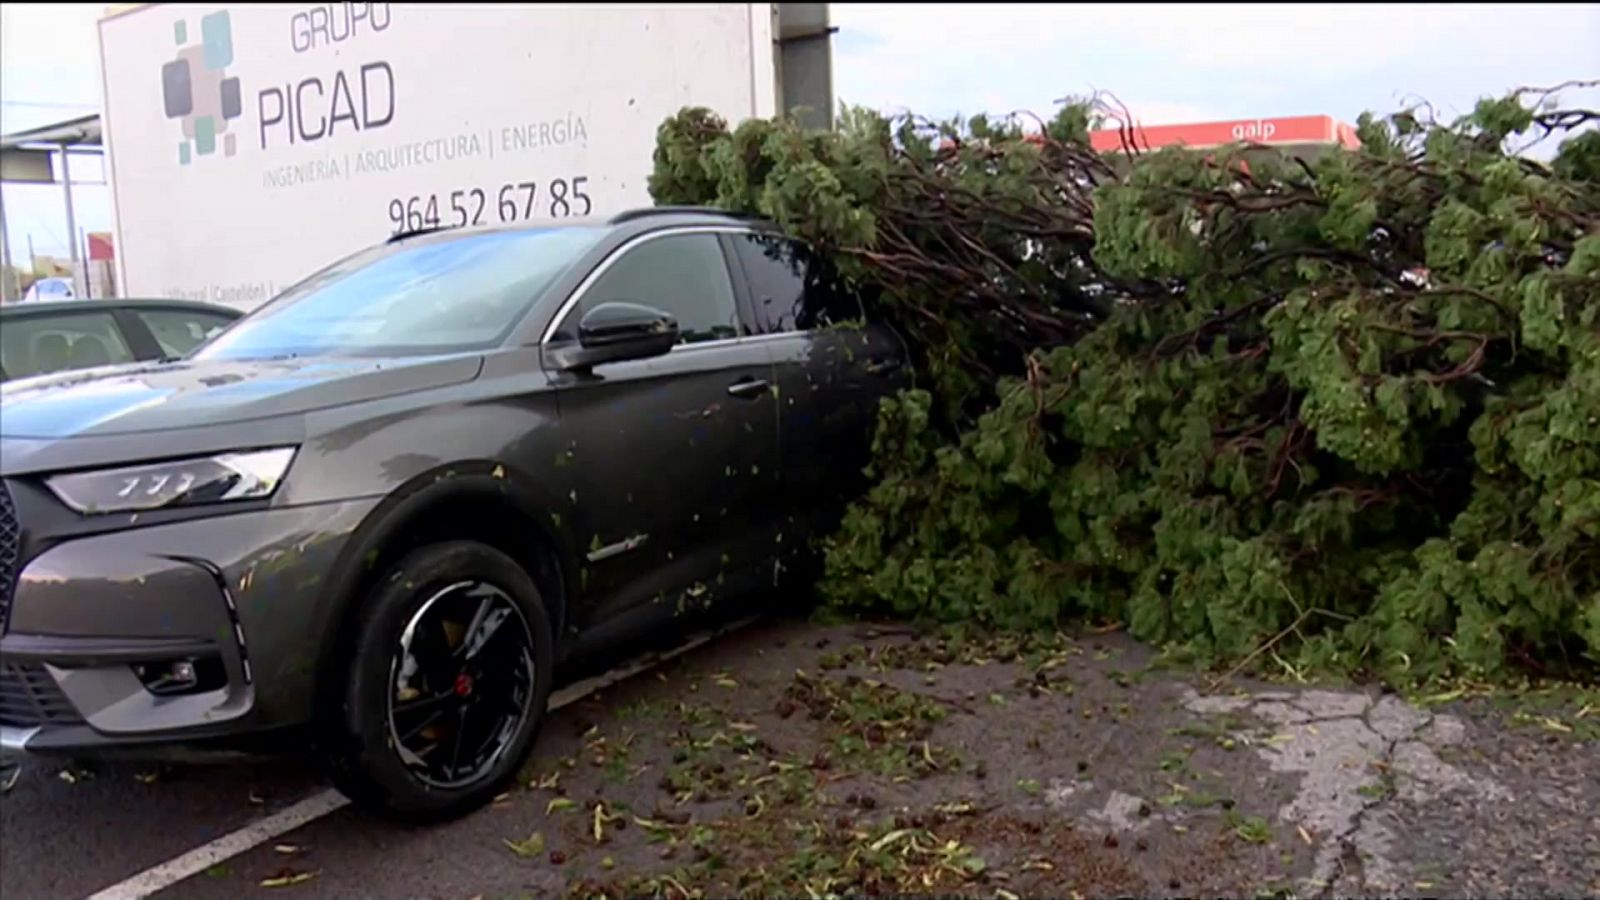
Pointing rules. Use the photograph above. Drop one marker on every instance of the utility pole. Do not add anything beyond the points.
(88, 276)
(9, 292)
(78, 287)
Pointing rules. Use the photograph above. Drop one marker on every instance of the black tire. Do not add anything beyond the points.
(364, 750)
(796, 592)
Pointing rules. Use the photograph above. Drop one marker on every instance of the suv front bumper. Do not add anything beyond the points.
(247, 593)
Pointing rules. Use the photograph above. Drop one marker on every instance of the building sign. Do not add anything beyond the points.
(251, 145)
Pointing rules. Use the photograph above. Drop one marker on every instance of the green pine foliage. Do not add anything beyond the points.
(1349, 408)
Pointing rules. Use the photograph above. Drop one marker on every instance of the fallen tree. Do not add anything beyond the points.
(1342, 414)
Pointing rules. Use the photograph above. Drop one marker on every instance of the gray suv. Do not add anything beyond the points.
(387, 505)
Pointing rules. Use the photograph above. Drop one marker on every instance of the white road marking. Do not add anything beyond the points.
(192, 863)
(226, 847)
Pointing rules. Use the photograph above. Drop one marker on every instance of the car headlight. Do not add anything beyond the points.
(251, 475)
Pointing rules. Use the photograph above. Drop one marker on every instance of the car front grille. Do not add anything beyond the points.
(29, 697)
(10, 552)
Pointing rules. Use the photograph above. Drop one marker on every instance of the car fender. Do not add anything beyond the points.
(409, 507)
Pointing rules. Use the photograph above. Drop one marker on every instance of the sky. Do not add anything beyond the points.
(1166, 63)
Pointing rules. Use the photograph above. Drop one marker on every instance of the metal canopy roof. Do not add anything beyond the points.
(25, 159)
(83, 131)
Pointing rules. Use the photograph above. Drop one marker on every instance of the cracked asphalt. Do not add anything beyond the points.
(1364, 763)
(1079, 767)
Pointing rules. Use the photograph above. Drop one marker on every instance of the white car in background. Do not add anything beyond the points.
(54, 288)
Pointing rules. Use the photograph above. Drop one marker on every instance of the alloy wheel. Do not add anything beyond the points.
(461, 684)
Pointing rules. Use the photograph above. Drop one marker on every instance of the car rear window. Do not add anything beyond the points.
(791, 288)
(41, 344)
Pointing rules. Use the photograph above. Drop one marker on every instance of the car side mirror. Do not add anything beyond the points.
(614, 332)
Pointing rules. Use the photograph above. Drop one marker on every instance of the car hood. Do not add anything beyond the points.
(193, 394)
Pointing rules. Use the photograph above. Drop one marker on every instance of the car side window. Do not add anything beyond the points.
(684, 275)
(791, 288)
(39, 345)
(178, 331)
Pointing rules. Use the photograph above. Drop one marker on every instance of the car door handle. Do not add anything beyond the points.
(748, 387)
(882, 366)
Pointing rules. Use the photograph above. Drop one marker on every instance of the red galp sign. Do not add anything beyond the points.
(1281, 131)
(1287, 131)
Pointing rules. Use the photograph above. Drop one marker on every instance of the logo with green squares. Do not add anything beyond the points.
(198, 91)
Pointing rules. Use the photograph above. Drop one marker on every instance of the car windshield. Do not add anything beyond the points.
(439, 296)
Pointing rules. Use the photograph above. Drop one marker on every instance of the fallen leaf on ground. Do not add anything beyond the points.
(286, 848)
(600, 819)
(287, 879)
(1039, 865)
(73, 775)
(559, 804)
(532, 846)
(889, 838)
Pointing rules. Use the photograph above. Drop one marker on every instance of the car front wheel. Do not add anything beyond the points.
(447, 684)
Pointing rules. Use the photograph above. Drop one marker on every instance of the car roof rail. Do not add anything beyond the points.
(646, 212)
(433, 229)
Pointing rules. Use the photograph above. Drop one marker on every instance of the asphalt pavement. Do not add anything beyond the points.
(67, 833)
(1078, 765)
(71, 829)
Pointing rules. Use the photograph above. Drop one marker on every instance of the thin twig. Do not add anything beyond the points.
(1293, 626)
